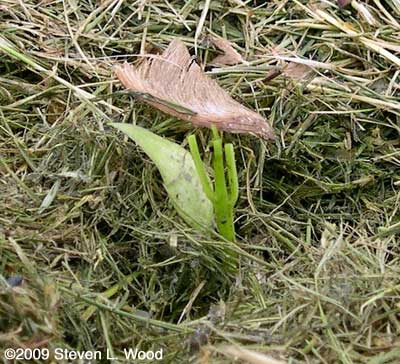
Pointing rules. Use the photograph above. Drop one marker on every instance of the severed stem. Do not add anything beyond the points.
(232, 174)
(224, 196)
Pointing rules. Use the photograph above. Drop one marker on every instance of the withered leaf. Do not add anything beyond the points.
(297, 71)
(172, 82)
(230, 56)
(344, 3)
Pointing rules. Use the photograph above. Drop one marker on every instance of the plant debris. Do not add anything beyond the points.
(230, 55)
(175, 79)
(107, 264)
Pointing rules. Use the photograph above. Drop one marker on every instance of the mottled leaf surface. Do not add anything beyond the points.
(177, 169)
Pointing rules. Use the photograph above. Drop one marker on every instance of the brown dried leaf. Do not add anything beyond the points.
(344, 3)
(176, 85)
(230, 56)
(297, 71)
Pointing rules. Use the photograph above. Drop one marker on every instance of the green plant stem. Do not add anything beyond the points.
(222, 197)
(232, 174)
(222, 205)
(201, 171)
(215, 132)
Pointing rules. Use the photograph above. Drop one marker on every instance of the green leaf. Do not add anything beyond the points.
(179, 174)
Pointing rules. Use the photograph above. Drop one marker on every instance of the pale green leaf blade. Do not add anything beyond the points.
(179, 174)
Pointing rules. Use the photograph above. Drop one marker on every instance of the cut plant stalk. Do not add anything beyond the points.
(224, 195)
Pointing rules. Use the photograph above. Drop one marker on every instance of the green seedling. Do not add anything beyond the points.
(224, 195)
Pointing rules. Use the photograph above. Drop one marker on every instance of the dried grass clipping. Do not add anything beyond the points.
(248, 356)
(176, 85)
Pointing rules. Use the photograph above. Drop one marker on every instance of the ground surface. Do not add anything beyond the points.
(85, 220)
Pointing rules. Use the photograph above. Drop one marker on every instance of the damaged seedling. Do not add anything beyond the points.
(224, 195)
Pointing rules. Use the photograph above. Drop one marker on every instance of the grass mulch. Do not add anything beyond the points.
(107, 263)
